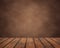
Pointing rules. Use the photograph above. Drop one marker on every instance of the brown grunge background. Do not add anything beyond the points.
(31, 18)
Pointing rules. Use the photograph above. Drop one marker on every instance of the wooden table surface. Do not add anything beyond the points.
(29, 42)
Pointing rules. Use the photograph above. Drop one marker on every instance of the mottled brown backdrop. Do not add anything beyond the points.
(31, 18)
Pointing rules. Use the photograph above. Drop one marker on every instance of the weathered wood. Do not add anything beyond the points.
(38, 43)
(6, 42)
(57, 38)
(21, 43)
(12, 44)
(57, 41)
(30, 43)
(2, 40)
(53, 43)
(46, 44)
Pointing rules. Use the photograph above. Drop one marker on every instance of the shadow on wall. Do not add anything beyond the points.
(33, 18)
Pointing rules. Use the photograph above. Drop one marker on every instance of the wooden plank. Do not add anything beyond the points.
(3, 39)
(30, 43)
(57, 41)
(53, 39)
(6, 42)
(57, 38)
(21, 43)
(38, 43)
(12, 44)
(53, 43)
(46, 44)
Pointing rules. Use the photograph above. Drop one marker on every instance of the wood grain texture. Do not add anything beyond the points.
(53, 43)
(21, 43)
(29, 42)
(38, 43)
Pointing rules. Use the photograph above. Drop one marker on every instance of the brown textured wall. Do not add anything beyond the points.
(36, 18)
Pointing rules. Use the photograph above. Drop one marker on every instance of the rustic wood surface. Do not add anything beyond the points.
(29, 42)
